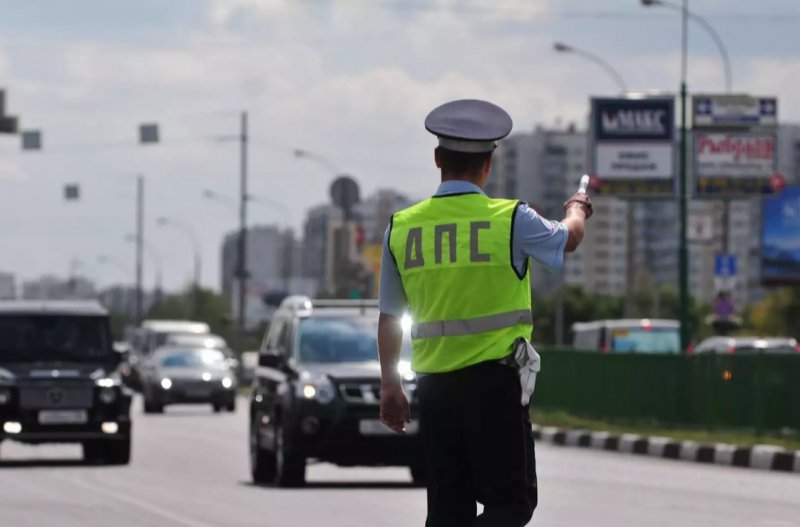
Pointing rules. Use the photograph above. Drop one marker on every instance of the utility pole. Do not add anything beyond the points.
(242, 272)
(139, 247)
(683, 255)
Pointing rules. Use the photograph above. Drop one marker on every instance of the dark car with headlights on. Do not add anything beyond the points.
(188, 375)
(59, 380)
(316, 394)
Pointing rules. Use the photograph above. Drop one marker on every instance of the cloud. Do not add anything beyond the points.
(342, 78)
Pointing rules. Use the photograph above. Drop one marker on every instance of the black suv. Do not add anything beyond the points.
(59, 381)
(316, 394)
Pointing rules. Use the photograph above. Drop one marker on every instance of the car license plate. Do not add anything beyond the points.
(374, 427)
(63, 417)
(198, 393)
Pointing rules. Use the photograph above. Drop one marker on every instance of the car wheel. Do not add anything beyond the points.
(290, 466)
(217, 408)
(108, 451)
(262, 461)
(231, 406)
(419, 473)
(152, 407)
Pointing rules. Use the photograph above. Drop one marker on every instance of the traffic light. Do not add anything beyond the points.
(8, 123)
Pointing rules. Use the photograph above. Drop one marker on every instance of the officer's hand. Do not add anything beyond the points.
(395, 411)
(583, 200)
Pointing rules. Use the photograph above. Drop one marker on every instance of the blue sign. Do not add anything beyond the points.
(780, 251)
(737, 111)
(725, 265)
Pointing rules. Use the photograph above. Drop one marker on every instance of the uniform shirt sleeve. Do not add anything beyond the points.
(537, 237)
(393, 296)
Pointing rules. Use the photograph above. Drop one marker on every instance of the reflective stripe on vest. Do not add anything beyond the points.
(472, 326)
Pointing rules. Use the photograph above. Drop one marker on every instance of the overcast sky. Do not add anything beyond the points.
(349, 79)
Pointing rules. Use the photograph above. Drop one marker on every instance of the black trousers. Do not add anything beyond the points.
(478, 446)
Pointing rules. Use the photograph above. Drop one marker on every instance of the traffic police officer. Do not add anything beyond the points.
(458, 263)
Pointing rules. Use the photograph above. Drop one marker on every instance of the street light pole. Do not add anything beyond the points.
(242, 263)
(726, 62)
(559, 308)
(139, 248)
(613, 73)
(683, 188)
(154, 255)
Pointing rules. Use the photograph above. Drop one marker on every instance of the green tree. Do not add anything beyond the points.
(777, 315)
(210, 308)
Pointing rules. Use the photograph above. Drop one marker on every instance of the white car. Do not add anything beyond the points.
(770, 345)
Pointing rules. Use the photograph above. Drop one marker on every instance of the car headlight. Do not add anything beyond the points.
(6, 377)
(227, 382)
(404, 369)
(108, 395)
(106, 382)
(166, 383)
(5, 396)
(318, 388)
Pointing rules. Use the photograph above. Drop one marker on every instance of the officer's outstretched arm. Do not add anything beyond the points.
(575, 220)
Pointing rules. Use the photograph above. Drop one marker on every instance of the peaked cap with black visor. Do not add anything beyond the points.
(469, 125)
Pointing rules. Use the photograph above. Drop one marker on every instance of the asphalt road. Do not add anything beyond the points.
(189, 469)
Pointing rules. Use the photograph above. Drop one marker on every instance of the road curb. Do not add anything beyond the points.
(763, 457)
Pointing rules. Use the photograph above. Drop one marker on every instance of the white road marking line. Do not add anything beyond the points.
(177, 518)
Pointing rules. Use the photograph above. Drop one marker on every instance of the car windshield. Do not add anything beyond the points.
(36, 338)
(330, 340)
(644, 340)
(194, 358)
(193, 339)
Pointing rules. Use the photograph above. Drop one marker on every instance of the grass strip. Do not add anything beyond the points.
(789, 439)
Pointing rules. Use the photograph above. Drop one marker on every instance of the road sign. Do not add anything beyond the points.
(148, 133)
(725, 265)
(72, 192)
(344, 192)
(701, 228)
(734, 111)
(31, 140)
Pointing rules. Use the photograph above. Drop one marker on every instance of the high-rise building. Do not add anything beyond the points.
(372, 216)
(121, 300)
(51, 287)
(273, 260)
(789, 152)
(8, 286)
(544, 168)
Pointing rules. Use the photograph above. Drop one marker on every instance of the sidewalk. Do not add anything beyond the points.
(765, 457)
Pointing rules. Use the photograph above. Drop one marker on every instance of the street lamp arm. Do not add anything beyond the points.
(712, 33)
(318, 159)
(561, 47)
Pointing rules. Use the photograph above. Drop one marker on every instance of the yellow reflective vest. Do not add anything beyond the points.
(467, 301)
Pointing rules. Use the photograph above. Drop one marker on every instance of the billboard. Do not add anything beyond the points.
(734, 163)
(632, 147)
(780, 251)
(734, 142)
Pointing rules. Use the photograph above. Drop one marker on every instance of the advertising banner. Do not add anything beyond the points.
(734, 145)
(734, 163)
(633, 146)
(780, 252)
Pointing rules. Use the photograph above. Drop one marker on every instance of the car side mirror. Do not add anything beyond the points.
(270, 360)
